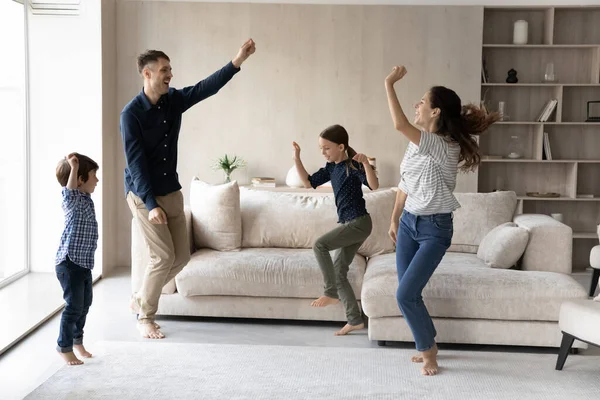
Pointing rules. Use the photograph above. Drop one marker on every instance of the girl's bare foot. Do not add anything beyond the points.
(150, 331)
(430, 365)
(82, 351)
(324, 301)
(349, 328)
(70, 358)
(419, 357)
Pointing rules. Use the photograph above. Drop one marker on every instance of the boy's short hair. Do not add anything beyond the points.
(150, 56)
(86, 165)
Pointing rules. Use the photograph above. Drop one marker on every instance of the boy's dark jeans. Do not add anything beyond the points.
(76, 283)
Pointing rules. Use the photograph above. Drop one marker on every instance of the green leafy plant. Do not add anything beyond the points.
(228, 164)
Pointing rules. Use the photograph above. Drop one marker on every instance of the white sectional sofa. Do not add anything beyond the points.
(252, 258)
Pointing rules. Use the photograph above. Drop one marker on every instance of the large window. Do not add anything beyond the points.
(13, 133)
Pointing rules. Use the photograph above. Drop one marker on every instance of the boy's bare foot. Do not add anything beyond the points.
(82, 351)
(135, 308)
(324, 301)
(150, 331)
(70, 358)
(349, 328)
(419, 357)
(430, 365)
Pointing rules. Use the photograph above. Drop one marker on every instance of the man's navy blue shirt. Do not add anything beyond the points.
(150, 134)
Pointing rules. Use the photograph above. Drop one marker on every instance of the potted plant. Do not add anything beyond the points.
(228, 165)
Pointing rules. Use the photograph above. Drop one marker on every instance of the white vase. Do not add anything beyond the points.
(520, 32)
(293, 179)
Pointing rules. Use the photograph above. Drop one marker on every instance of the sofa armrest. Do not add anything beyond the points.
(140, 258)
(550, 246)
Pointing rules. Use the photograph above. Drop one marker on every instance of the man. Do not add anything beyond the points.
(150, 129)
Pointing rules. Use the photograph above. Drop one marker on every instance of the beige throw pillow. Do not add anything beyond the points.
(503, 246)
(216, 216)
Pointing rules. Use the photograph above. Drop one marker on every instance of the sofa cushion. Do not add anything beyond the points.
(216, 218)
(464, 287)
(380, 205)
(503, 246)
(478, 214)
(266, 272)
(271, 219)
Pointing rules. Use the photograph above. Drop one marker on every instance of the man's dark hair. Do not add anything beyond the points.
(148, 57)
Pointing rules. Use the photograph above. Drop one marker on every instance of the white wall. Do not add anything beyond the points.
(315, 65)
(66, 116)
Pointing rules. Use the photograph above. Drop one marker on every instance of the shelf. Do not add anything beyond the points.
(585, 235)
(527, 198)
(541, 84)
(541, 46)
(546, 123)
(524, 160)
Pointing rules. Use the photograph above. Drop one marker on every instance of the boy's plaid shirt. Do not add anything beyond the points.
(80, 236)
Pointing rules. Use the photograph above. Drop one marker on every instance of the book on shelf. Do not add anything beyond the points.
(262, 181)
(547, 110)
(489, 157)
(547, 153)
(585, 196)
(485, 77)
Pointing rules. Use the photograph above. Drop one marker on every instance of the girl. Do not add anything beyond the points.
(428, 178)
(347, 171)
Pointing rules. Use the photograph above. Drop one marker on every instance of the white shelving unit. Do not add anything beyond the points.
(568, 37)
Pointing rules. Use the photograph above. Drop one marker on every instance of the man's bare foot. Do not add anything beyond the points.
(419, 357)
(324, 301)
(150, 331)
(82, 351)
(349, 328)
(135, 308)
(70, 358)
(430, 365)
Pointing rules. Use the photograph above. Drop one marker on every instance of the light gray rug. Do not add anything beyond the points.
(162, 370)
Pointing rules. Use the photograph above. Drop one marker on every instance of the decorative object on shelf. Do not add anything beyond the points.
(484, 101)
(543, 195)
(263, 181)
(549, 76)
(512, 76)
(593, 115)
(501, 110)
(520, 29)
(515, 147)
(292, 178)
(228, 165)
(557, 216)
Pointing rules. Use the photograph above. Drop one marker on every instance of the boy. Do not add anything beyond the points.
(76, 174)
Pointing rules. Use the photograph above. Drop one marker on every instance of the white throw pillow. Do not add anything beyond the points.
(380, 206)
(503, 246)
(216, 215)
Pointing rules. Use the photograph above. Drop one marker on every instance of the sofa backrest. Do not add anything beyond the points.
(296, 220)
(480, 213)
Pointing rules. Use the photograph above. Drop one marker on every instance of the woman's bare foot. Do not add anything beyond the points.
(324, 301)
(150, 331)
(70, 358)
(430, 365)
(82, 351)
(135, 308)
(419, 357)
(349, 328)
